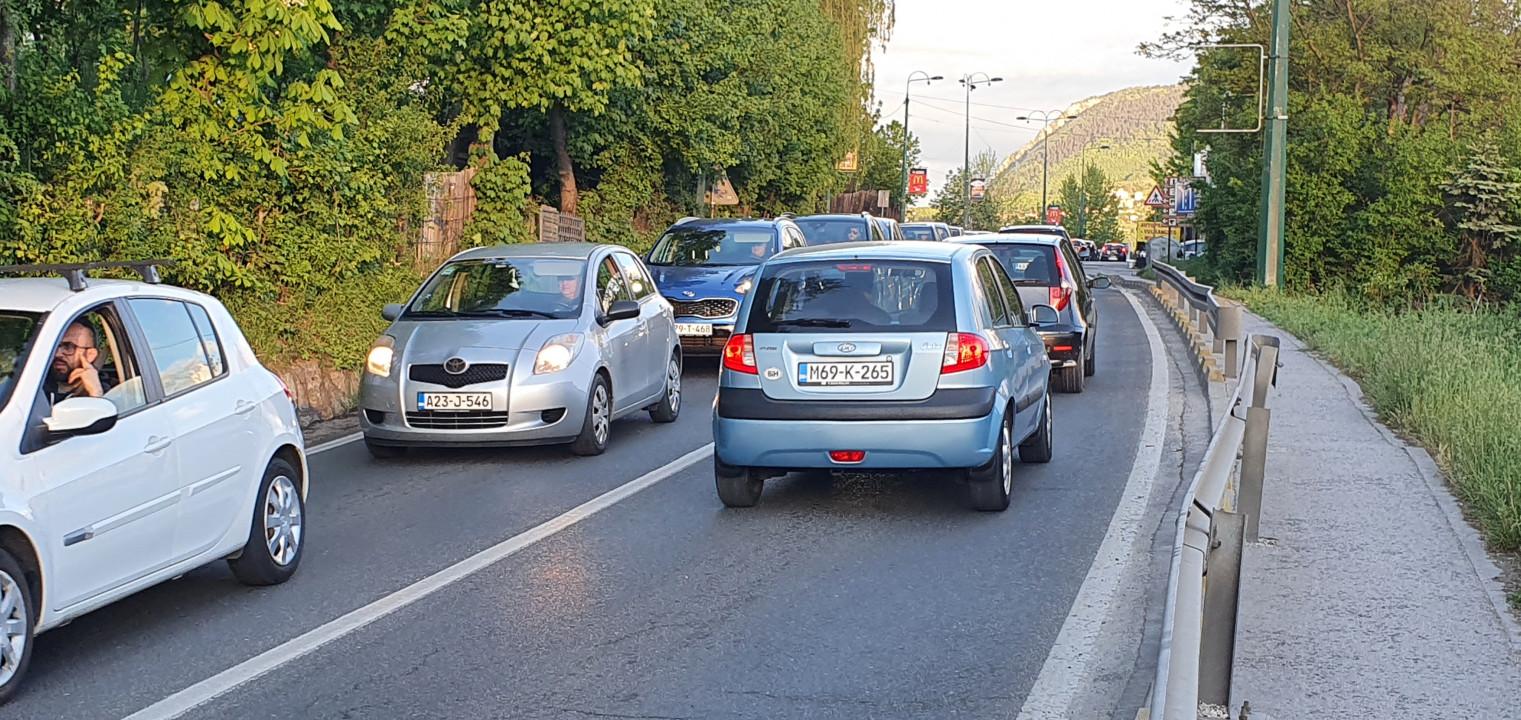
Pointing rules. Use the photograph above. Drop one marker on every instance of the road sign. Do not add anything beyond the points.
(1185, 200)
(979, 189)
(1055, 215)
(722, 193)
(850, 163)
(918, 182)
(1156, 199)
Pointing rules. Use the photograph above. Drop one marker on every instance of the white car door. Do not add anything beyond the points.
(212, 423)
(107, 502)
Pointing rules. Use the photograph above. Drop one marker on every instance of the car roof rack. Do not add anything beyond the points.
(75, 272)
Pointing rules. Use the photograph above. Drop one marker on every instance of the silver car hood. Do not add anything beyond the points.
(434, 341)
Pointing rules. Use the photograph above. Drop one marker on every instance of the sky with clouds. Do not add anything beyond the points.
(1050, 54)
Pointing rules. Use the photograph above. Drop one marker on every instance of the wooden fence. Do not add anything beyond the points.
(555, 226)
(451, 204)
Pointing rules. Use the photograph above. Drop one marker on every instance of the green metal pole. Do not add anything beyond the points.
(1275, 153)
(903, 204)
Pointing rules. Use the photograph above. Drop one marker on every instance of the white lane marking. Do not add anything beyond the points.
(221, 683)
(329, 445)
(1072, 665)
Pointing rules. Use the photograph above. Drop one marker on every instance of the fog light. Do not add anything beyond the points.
(550, 417)
(847, 456)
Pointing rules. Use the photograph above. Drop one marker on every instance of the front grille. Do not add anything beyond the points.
(710, 308)
(467, 420)
(475, 374)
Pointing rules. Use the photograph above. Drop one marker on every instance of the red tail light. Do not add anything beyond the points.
(1060, 296)
(288, 394)
(847, 456)
(963, 351)
(739, 354)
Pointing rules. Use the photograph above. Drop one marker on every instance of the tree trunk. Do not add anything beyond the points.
(567, 170)
(8, 45)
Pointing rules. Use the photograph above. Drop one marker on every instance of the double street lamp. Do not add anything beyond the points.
(1045, 117)
(972, 82)
(926, 78)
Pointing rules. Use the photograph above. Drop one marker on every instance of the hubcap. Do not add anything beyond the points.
(673, 385)
(1006, 449)
(282, 520)
(13, 622)
(599, 414)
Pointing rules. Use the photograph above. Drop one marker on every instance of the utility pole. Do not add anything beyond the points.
(1045, 152)
(971, 82)
(1275, 153)
(913, 77)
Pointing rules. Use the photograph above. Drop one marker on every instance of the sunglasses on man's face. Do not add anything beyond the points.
(68, 348)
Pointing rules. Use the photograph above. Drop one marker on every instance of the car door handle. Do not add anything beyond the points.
(245, 407)
(157, 444)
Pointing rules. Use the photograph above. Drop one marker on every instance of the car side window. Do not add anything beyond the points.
(96, 342)
(1074, 267)
(875, 230)
(795, 238)
(1017, 312)
(639, 283)
(610, 285)
(993, 296)
(209, 340)
(175, 344)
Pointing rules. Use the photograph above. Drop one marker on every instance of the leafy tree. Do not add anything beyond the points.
(1485, 201)
(950, 201)
(882, 160)
(1092, 210)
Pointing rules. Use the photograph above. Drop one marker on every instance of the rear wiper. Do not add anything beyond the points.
(510, 312)
(813, 322)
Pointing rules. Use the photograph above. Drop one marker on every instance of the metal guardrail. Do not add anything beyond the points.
(1224, 319)
(1199, 619)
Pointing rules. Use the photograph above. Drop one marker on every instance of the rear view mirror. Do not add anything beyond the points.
(80, 416)
(622, 310)
(1099, 283)
(391, 311)
(1042, 315)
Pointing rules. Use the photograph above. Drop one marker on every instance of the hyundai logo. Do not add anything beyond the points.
(847, 347)
(456, 366)
(688, 293)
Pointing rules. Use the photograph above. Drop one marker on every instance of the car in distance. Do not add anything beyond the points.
(1047, 272)
(926, 231)
(1085, 249)
(144, 439)
(1119, 252)
(957, 231)
(830, 229)
(704, 267)
(891, 230)
(882, 357)
(522, 345)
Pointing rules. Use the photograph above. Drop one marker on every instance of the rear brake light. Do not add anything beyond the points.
(1061, 348)
(739, 354)
(963, 351)
(288, 394)
(1060, 296)
(852, 268)
(847, 456)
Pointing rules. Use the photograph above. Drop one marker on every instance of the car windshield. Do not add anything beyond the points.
(918, 232)
(827, 231)
(503, 287)
(714, 246)
(1030, 265)
(17, 330)
(857, 295)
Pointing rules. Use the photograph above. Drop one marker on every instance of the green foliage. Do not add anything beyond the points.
(1093, 211)
(951, 200)
(882, 160)
(1484, 197)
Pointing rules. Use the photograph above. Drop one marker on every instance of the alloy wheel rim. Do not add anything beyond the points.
(673, 384)
(13, 622)
(599, 414)
(1007, 450)
(282, 520)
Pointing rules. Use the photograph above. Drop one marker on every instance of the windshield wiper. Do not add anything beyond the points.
(429, 314)
(813, 322)
(510, 312)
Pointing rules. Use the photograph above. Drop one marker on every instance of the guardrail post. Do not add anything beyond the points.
(1217, 644)
(1254, 443)
(1228, 338)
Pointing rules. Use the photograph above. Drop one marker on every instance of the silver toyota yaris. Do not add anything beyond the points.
(522, 345)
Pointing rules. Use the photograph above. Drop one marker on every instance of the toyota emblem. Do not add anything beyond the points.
(456, 366)
(847, 347)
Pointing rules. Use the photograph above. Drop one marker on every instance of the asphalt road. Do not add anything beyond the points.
(850, 597)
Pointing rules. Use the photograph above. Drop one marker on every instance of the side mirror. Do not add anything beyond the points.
(391, 311)
(1099, 283)
(80, 416)
(622, 310)
(1043, 315)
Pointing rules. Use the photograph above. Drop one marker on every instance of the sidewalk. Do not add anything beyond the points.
(1370, 596)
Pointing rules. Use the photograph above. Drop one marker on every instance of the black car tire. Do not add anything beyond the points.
(1038, 448)
(738, 487)
(1070, 379)
(27, 607)
(255, 565)
(384, 452)
(670, 401)
(587, 443)
(988, 487)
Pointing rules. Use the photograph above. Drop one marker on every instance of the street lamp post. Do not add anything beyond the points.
(971, 82)
(926, 78)
(1045, 149)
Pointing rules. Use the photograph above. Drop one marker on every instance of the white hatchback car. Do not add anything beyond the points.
(139, 439)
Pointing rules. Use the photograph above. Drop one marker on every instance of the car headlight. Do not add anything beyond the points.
(745, 285)
(378, 362)
(557, 354)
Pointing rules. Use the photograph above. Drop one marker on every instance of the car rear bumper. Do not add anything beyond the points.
(1060, 337)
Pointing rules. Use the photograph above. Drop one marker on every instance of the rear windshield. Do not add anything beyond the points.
(1028, 264)
(827, 231)
(918, 232)
(856, 295)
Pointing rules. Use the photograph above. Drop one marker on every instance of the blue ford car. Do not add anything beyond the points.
(704, 267)
(883, 356)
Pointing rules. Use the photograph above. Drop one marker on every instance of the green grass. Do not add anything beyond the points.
(1449, 376)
